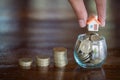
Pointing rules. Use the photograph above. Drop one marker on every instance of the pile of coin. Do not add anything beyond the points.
(87, 50)
(25, 63)
(60, 56)
(95, 37)
(43, 61)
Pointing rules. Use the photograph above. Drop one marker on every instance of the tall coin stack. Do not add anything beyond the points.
(60, 56)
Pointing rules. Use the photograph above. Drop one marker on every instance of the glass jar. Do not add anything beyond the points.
(88, 53)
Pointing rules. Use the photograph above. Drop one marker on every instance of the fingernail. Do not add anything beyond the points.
(103, 23)
(82, 23)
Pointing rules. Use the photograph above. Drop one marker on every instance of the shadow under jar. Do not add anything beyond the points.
(89, 53)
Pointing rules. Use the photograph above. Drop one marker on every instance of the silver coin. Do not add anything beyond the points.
(83, 57)
(96, 61)
(86, 60)
(95, 38)
(86, 46)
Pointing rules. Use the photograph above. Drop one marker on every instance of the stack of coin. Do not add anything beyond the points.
(25, 63)
(84, 50)
(84, 57)
(43, 61)
(60, 56)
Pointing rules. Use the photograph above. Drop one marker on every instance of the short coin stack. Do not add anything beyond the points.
(43, 61)
(25, 63)
(86, 51)
(60, 56)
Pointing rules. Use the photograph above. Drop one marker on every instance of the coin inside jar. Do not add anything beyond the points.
(95, 37)
(83, 56)
(86, 46)
(96, 61)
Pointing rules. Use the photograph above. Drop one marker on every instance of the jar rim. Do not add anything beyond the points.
(83, 35)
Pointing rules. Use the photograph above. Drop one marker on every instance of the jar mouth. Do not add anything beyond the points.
(83, 36)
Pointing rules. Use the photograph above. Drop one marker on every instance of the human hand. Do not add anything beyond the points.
(81, 12)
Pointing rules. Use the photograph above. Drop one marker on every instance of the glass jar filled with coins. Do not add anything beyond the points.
(90, 50)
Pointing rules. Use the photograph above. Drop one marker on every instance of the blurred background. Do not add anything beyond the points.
(33, 27)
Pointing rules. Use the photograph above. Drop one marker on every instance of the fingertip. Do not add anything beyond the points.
(102, 22)
(82, 23)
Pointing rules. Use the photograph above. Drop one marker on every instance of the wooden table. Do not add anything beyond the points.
(10, 70)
